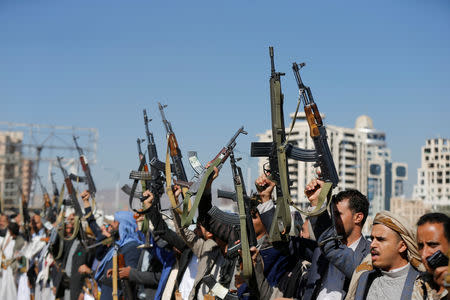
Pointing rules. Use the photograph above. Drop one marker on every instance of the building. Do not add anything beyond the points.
(362, 161)
(433, 177)
(10, 168)
(411, 210)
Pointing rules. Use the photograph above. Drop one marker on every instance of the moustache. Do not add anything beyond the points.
(374, 252)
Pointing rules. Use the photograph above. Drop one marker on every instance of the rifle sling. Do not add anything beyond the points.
(188, 214)
(325, 195)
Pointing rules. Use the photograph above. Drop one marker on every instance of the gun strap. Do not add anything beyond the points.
(281, 222)
(246, 258)
(293, 122)
(325, 195)
(188, 214)
(169, 191)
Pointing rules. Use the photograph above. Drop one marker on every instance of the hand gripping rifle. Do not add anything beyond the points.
(202, 176)
(276, 151)
(75, 204)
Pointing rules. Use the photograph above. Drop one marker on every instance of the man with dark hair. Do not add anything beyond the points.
(393, 269)
(334, 261)
(433, 234)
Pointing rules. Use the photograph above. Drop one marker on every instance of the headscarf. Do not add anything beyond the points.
(127, 234)
(407, 234)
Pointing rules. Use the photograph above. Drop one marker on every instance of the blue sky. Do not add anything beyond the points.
(99, 63)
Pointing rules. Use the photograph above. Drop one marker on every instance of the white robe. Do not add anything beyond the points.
(8, 288)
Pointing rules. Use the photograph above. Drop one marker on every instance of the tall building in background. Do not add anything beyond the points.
(10, 168)
(433, 177)
(362, 160)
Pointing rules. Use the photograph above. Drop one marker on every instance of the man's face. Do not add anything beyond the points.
(431, 238)
(115, 225)
(3, 222)
(386, 248)
(37, 221)
(257, 223)
(346, 216)
(69, 224)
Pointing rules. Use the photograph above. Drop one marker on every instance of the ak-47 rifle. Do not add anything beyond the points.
(202, 176)
(55, 188)
(318, 133)
(86, 169)
(126, 288)
(74, 203)
(276, 152)
(47, 201)
(322, 153)
(154, 180)
(175, 152)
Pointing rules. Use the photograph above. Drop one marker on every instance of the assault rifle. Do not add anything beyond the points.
(322, 153)
(55, 188)
(247, 231)
(276, 152)
(175, 152)
(154, 179)
(202, 176)
(142, 169)
(73, 199)
(86, 169)
(47, 201)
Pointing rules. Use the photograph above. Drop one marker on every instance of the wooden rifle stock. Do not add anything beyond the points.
(127, 292)
(173, 145)
(313, 129)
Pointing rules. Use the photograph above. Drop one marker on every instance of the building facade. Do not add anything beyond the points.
(411, 210)
(10, 168)
(433, 177)
(361, 157)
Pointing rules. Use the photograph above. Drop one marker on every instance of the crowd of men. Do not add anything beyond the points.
(65, 256)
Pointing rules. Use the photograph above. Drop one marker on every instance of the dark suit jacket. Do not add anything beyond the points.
(76, 280)
(343, 259)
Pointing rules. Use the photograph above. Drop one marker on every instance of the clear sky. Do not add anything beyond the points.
(99, 63)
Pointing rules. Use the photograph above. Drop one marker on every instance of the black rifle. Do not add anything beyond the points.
(141, 172)
(275, 150)
(202, 176)
(73, 199)
(86, 169)
(156, 176)
(175, 152)
(250, 204)
(55, 188)
(47, 201)
(154, 179)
